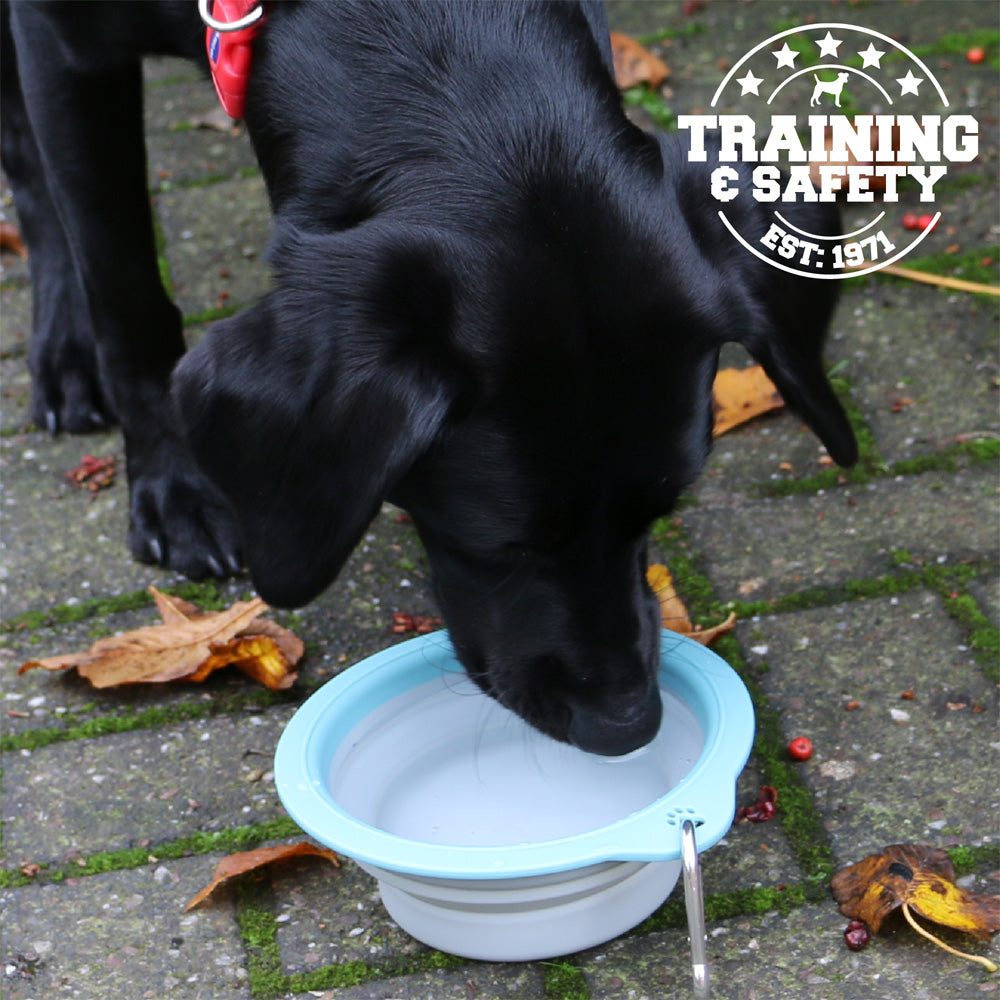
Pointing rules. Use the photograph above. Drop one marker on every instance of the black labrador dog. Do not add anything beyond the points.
(497, 303)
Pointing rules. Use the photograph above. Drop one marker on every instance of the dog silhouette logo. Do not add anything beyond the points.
(833, 87)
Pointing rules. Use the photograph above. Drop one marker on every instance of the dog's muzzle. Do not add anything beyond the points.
(617, 729)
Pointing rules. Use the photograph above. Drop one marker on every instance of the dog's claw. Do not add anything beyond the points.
(157, 549)
(97, 419)
(51, 421)
(216, 567)
(234, 563)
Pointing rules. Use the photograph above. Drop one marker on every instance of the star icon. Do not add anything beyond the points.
(750, 84)
(828, 46)
(871, 56)
(785, 56)
(909, 83)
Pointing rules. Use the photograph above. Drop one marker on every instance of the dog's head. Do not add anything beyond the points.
(535, 400)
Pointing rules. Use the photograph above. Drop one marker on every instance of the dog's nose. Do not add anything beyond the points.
(618, 727)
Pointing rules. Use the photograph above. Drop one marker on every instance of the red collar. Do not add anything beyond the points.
(229, 51)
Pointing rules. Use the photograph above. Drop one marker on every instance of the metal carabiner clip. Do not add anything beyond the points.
(695, 905)
(244, 22)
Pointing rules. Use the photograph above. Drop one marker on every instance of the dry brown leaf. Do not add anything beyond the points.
(248, 861)
(917, 878)
(673, 613)
(173, 610)
(10, 239)
(188, 645)
(739, 395)
(635, 64)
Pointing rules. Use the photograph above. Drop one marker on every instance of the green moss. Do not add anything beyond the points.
(354, 973)
(968, 860)
(958, 43)
(653, 104)
(944, 579)
(127, 719)
(690, 581)
(241, 838)
(950, 458)
(64, 614)
(255, 917)
(206, 594)
(350, 973)
(564, 981)
(690, 30)
(797, 811)
(983, 635)
(104, 725)
(752, 901)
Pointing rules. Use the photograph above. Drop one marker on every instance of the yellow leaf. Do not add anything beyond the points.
(920, 878)
(739, 395)
(673, 613)
(946, 903)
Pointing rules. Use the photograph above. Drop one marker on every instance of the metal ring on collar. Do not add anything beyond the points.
(244, 22)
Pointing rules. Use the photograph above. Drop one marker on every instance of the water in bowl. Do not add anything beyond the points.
(443, 763)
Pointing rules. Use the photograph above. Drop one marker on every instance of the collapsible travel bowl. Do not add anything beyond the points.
(493, 841)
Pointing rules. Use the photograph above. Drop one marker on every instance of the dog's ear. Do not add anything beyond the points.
(792, 314)
(780, 317)
(306, 409)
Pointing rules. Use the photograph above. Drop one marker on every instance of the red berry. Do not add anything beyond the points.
(976, 55)
(911, 221)
(800, 748)
(856, 935)
(925, 221)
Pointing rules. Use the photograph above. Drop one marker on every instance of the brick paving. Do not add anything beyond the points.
(849, 588)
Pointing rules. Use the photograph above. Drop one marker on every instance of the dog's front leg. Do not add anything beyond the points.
(66, 392)
(84, 109)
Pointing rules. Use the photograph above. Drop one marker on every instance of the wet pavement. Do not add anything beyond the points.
(851, 589)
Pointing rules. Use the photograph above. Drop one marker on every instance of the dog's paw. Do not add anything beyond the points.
(66, 390)
(71, 402)
(182, 523)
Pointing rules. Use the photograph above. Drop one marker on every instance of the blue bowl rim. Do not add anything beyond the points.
(706, 795)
